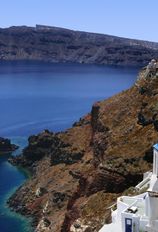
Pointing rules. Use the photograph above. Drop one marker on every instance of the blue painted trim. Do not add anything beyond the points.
(156, 146)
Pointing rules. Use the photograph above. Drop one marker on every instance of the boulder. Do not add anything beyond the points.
(40, 192)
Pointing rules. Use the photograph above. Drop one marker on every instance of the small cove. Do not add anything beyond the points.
(35, 96)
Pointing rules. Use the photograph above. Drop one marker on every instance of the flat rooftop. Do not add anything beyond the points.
(128, 200)
(111, 228)
(140, 208)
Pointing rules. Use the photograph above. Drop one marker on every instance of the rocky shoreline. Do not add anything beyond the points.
(78, 174)
(6, 146)
(13, 203)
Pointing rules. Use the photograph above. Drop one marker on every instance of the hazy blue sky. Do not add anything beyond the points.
(127, 18)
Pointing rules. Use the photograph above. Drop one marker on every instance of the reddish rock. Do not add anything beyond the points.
(115, 150)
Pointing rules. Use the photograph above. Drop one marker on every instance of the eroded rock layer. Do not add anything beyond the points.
(78, 174)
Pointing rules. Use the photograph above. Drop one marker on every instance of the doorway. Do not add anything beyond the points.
(128, 225)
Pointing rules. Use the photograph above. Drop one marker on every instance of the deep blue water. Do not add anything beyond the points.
(35, 96)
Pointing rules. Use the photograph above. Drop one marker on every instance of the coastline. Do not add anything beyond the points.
(24, 220)
(60, 175)
(13, 207)
(80, 172)
(6, 146)
(16, 177)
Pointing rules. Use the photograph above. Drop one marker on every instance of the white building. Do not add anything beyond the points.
(138, 213)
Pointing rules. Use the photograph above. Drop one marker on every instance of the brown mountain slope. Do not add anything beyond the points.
(80, 172)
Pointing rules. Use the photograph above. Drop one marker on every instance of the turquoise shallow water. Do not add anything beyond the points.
(36, 96)
(11, 177)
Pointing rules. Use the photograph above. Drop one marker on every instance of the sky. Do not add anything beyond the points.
(125, 18)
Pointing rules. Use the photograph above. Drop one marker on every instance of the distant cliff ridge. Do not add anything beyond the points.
(53, 44)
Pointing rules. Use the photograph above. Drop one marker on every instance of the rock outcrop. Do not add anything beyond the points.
(54, 44)
(115, 141)
(6, 146)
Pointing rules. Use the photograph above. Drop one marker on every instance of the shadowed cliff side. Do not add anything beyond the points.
(52, 44)
(78, 174)
(6, 146)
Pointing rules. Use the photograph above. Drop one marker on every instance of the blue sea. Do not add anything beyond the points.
(35, 96)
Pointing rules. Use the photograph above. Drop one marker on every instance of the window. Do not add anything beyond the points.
(128, 222)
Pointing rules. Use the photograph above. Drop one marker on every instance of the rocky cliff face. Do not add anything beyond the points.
(6, 146)
(61, 45)
(78, 174)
